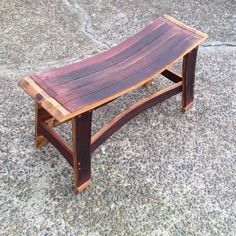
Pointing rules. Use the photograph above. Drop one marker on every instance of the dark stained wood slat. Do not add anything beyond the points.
(110, 72)
(91, 69)
(80, 89)
(39, 77)
(166, 56)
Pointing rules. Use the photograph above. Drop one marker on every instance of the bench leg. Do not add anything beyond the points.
(40, 116)
(81, 138)
(188, 70)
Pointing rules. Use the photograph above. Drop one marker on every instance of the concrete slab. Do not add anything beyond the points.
(164, 173)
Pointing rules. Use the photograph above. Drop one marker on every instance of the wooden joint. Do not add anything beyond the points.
(41, 97)
(41, 115)
(170, 74)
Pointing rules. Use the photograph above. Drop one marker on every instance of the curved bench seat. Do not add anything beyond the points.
(89, 83)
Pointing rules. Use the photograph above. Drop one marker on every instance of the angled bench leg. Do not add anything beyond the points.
(81, 138)
(40, 116)
(188, 70)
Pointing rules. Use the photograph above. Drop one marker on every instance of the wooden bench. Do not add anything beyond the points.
(73, 91)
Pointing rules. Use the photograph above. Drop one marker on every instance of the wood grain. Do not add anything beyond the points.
(187, 27)
(122, 82)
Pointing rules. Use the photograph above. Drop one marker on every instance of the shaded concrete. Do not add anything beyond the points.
(164, 173)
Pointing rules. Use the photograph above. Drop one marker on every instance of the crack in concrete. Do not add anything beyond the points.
(86, 27)
(218, 44)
